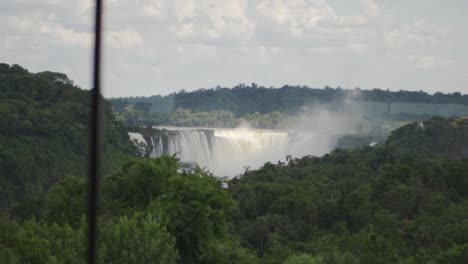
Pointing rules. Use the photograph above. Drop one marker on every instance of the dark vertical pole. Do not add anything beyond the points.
(95, 139)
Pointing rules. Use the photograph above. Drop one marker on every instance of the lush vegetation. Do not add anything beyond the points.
(244, 99)
(400, 202)
(150, 214)
(134, 117)
(44, 133)
(268, 107)
(405, 201)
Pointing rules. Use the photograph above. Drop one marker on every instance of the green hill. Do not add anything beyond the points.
(44, 133)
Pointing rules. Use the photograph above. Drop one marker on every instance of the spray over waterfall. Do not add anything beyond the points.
(229, 151)
(225, 152)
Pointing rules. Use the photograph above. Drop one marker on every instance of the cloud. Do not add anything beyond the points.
(426, 62)
(371, 8)
(124, 39)
(161, 46)
(307, 22)
(416, 34)
(185, 20)
(422, 44)
(213, 20)
(46, 30)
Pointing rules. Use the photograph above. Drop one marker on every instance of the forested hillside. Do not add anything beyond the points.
(227, 107)
(44, 133)
(403, 201)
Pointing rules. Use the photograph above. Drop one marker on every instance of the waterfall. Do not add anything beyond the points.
(225, 152)
(191, 146)
(228, 152)
(157, 147)
(139, 141)
(235, 150)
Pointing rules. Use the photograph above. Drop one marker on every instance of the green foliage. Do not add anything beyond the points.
(196, 210)
(384, 204)
(156, 103)
(247, 101)
(304, 259)
(244, 99)
(269, 107)
(134, 117)
(138, 183)
(185, 117)
(34, 242)
(404, 201)
(44, 133)
(335, 257)
(136, 239)
(437, 137)
(66, 201)
(151, 213)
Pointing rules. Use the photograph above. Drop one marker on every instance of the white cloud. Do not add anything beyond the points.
(371, 8)
(312, 24)
(416, 35)
(167, 45)
(127, 38)
(48, 30)
(421, 44)
(428, 61)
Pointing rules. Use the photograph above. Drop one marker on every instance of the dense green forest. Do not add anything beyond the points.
(404, 201)
(187, 118)
(44, 133)
(244, 99)
(268, 107)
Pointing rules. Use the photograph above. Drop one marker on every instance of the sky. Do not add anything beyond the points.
(162, 46)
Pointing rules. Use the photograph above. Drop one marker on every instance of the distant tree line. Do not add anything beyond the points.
(243, 99)
(266, 107)
(134, 117)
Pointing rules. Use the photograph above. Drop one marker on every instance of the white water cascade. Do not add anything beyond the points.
(139, 141)
(228, 152)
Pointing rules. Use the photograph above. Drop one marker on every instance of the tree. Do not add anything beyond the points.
(139, 238)
(67, 201)
(138, 183)
(196, 210)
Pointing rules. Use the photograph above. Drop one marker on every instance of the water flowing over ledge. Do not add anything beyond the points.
(228, 152)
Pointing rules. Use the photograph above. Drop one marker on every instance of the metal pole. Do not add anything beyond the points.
(95, 139)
